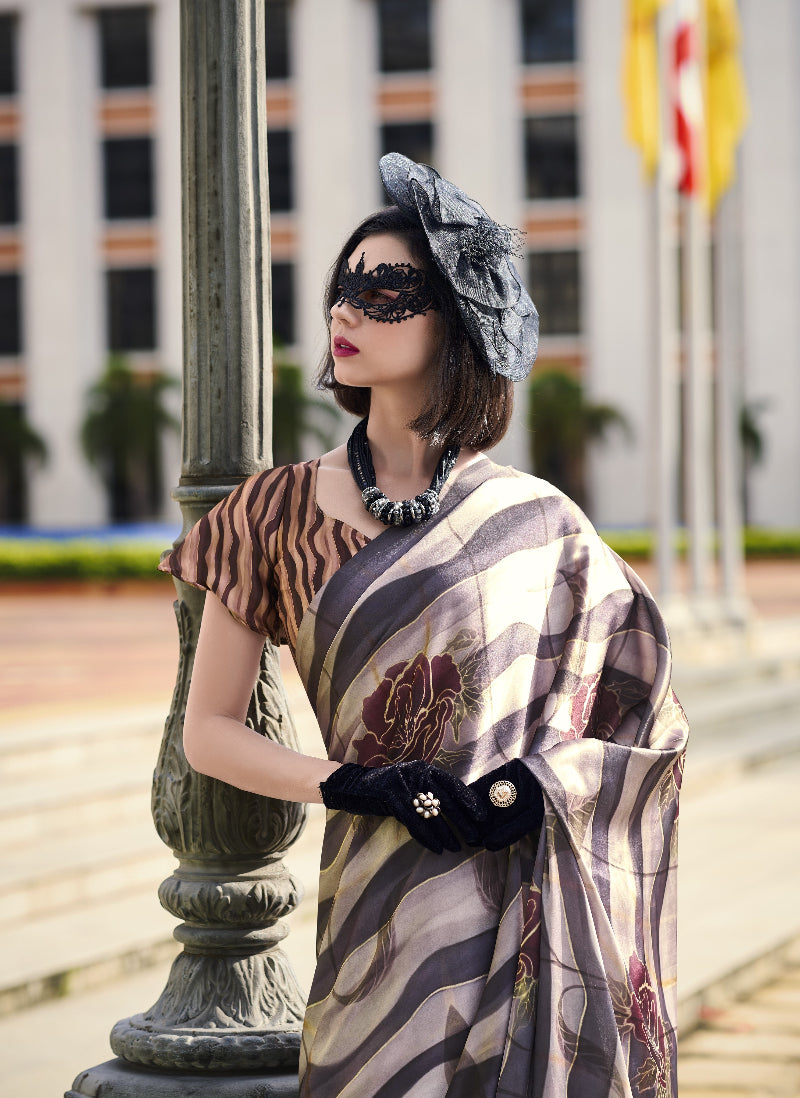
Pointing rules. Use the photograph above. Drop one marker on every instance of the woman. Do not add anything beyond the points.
(497, 892)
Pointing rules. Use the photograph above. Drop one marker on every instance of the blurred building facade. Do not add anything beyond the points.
(516, 100)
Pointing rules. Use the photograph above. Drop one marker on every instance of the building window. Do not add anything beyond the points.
(279, 166)
(10, 318)
(8, 55)
(128, 177)
(125, 47)
(412, 139)
(131, 309)
(283, 302)
(551, 156)
(9, 190)
(404, 35)
(548, 30)
(276, 15)
(554, 284)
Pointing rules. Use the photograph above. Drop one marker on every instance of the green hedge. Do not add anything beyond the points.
(771, 543)
(35, 559)
(758, 543)
(91, 560)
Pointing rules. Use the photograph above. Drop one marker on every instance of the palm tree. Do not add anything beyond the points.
(562, 424)
(121, 436)
(291, 408)
(753, 447)
(19, 444)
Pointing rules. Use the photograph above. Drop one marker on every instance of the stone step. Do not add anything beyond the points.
(783, 664)
(104, 938)
(722, 752)
(52, 745)
(60, 954)
(74, 802)
(72, 871)
(739, 700)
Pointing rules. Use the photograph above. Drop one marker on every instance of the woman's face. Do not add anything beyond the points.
(367, 348)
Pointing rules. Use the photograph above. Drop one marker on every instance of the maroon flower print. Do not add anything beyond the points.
(648, 1029)
(526, 980)
(528, 963)
(407, 716)
(582, 704)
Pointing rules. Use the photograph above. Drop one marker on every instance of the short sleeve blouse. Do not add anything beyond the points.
(266, 549)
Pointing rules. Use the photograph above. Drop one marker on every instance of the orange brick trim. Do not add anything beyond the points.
(12, 383)
(137, 247)
(543, 225)
(559, 231)
(9, 123)
(542, 94)
(280, 109)
(10, 251)
(412, 101)
(128, 115)
(283, 239)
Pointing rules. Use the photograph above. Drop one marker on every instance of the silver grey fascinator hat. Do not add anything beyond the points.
(473, 253)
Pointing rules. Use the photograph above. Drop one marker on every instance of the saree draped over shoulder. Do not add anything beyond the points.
(501, 628)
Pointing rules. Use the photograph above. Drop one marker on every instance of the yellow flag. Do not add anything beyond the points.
(726, 97)
(640, 79)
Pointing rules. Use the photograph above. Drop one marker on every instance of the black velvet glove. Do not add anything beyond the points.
(505, 823)
(398, 790)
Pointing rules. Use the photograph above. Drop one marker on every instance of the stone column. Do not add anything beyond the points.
(228, 1021)
(62, 307)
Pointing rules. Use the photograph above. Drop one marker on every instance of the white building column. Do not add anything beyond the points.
(61, 290)
(770, 164)
(479, 144)
(478, 126)
(334, 59)
(166, 89)
(618, 273)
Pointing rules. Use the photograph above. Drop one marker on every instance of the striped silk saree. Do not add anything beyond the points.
(502, 628)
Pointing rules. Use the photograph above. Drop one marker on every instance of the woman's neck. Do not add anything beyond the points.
(397, 451)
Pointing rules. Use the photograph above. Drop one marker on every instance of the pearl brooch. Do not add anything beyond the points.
(426, 804)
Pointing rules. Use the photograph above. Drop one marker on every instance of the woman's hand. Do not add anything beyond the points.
(513, 803)
(215, 738)
(416, 793)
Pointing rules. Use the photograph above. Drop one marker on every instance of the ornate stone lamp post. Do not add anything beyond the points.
(228, 1020)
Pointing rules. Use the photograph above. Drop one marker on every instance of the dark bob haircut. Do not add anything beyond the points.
(467, 404)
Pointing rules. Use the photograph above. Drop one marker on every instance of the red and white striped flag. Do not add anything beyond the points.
(688, 98)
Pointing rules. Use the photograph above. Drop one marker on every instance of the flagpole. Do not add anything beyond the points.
(698, 443)
(728, 398)
(667, 403)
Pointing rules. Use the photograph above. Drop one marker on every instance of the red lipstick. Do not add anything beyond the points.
(342, 347)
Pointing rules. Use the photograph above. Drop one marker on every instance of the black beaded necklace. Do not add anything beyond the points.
(407, 512)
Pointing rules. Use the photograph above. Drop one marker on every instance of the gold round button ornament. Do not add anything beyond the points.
(502, 794)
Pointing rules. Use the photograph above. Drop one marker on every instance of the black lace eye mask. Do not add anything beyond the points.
(390, 293)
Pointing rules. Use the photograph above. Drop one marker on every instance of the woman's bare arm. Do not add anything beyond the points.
(215, 738)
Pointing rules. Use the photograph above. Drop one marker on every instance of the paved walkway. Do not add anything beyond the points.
(750, 1049)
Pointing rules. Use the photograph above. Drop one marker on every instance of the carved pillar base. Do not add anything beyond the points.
(116, 1079)
(185, 1031)
(228, 1020)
